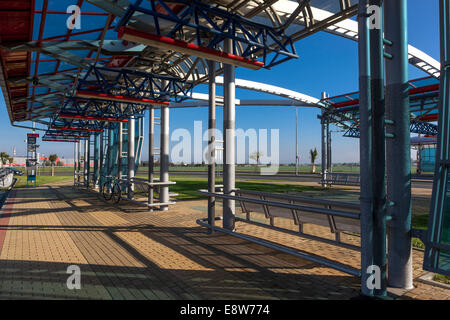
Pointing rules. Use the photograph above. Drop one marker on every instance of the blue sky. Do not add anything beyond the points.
(326, 63)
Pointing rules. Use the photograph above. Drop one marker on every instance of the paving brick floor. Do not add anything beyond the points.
(126, 252)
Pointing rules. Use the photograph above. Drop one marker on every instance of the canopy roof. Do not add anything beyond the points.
(44, 64)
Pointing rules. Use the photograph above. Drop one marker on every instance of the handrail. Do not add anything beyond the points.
(324, 211)
(142, 181)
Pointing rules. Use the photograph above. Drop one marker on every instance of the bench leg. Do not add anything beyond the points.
(338, 236)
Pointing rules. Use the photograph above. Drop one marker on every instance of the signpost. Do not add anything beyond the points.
(31, 161)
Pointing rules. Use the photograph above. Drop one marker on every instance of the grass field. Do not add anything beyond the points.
(283, 169)
(187, 187)
(22, 182)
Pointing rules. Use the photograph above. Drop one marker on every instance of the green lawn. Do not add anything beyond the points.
(42, 180)
(442, 278)
(187, 187)
(419, 222)
(286, 169)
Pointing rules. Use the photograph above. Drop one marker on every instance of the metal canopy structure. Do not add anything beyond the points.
(437, 251)
(98, 81)
(423, 104)
(41, 64)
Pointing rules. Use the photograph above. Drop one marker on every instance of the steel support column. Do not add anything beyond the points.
(324, 140)
(229, 114)
(329, 163)
(296, 142)
(108, 152)
(96, 164)
(131, 154)
(419, 159)
(365, 146)
(379, 149)
(211, 142)
(151, 152)
(164, 157)
(398, 148)
(86, 162)
(79, 162)
(75, 162)
(120, 151)
(101, 160)
(436, 257)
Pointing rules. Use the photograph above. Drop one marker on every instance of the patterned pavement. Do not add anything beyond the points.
(126, 252)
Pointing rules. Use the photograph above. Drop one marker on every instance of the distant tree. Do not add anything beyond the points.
(60, 164)
(52, 158)
(313, 155)
(256, 156)
(5, 158)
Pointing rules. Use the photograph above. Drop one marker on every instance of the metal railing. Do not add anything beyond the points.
(144, 187)
(338, 216)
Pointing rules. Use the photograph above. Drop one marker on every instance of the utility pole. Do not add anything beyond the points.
(296, 141)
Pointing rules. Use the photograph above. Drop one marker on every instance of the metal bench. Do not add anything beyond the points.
(338, 216)
(345, 179)
(336, 223)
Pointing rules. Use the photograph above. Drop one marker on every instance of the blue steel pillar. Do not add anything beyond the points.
(75, 163)
(86, 162)
(399, 147)
(365, 146)
(109, 143)
(379, 150)
(79, 162)
(96, 159)
(329, 159)
(229, 141)
(101, 160)
(437, 246)
(131, 155)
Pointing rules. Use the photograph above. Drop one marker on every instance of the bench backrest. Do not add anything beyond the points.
(341, 178)
(335, 223)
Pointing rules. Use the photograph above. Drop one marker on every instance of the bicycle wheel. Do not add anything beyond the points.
(116, 193)
(107, 191)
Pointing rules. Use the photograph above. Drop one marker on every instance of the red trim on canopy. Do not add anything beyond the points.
(188, 48)
(80, 117)
(105, 96)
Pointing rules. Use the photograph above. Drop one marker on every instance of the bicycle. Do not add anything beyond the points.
(111, 189)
